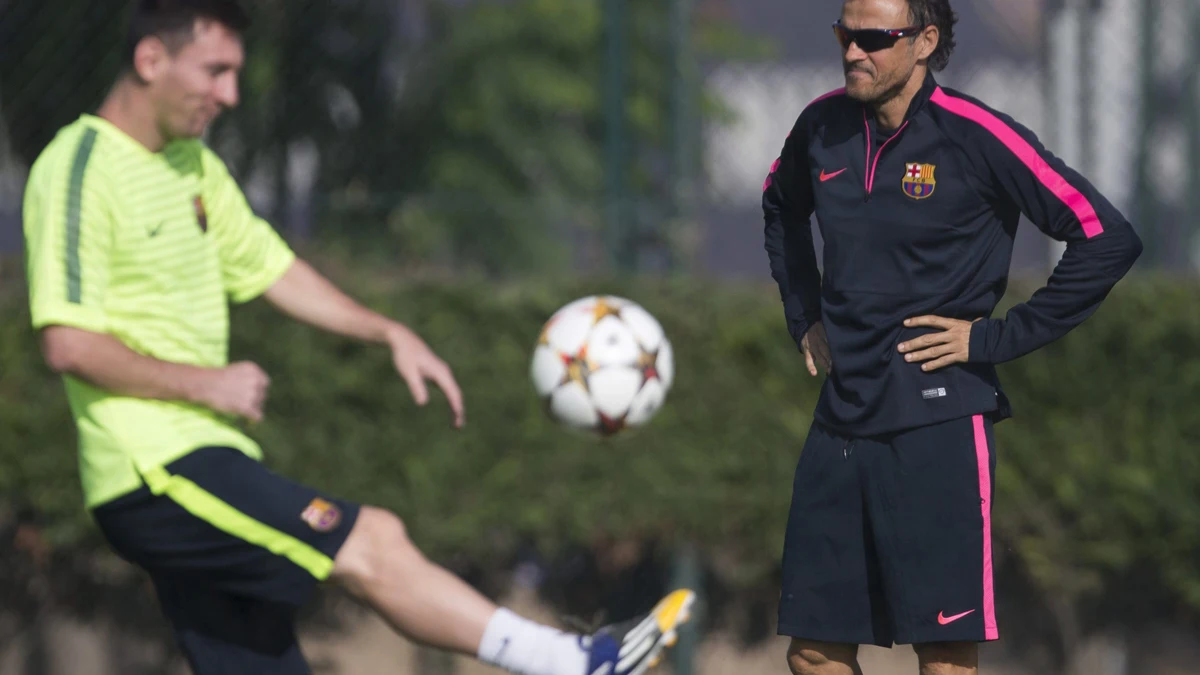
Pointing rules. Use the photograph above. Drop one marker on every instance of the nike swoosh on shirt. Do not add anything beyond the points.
(948, 619)
(827, 176)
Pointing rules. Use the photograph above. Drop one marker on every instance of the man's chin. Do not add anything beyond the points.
(858, 91)
(198, 128)
(859, 86)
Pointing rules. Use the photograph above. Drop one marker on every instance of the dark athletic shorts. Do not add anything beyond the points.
(889, 538)
(233, 550)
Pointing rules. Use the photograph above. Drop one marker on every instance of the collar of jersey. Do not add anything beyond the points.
(111, 130)
(919, 101)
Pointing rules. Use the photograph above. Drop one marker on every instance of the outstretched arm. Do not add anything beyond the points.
(255, 261)
(305, 295)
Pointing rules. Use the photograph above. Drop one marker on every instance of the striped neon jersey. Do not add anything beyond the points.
(150, 248)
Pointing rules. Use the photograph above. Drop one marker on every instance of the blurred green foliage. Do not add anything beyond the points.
(1096, 486)
(438, 134)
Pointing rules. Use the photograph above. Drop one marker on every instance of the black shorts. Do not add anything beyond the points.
(889, 539)
(233, 550)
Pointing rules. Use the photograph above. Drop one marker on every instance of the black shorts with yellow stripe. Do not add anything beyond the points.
(234, 550)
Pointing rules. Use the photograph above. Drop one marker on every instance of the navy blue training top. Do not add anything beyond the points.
(920, 222)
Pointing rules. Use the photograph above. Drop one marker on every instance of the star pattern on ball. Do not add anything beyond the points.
(610, 426)
(602, 364)
(578, 368)
(605, 308)
(647, 363)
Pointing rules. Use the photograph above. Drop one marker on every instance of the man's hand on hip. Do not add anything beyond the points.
(950, 346)
(816, 349)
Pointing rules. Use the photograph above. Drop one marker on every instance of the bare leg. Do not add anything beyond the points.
(808, 657)
(424, 602)
(948, 658)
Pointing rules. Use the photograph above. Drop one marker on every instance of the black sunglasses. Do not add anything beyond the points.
(872, 39)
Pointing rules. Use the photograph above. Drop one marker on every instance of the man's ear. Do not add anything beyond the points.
(150, 59)
(927, 42)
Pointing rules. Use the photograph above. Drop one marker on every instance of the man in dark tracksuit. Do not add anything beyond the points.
(917, 190)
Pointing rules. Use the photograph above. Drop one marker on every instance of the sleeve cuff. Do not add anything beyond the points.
(75, 316)
(262, 282)
(799, 327)
(981, 331)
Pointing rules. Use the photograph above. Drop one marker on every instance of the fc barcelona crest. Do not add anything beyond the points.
(201, 216)
(918, 180)
(321, 515)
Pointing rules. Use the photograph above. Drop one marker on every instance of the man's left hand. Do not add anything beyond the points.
(952, 345)
(416, 362)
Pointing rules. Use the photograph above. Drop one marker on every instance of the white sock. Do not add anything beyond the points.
(524, 647)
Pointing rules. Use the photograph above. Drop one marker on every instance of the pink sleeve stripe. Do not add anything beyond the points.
(768, 182)
(831, 94)
(1053, 180)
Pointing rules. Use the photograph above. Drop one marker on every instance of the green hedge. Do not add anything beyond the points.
(1098, 475)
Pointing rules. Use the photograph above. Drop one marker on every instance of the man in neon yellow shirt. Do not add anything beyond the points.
(137, 238)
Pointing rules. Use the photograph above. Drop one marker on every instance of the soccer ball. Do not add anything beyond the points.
(602, 364)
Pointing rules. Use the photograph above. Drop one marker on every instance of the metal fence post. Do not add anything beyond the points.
(680, 119)
(1192, 111)
(687, 573)
(616, 19)
(1145, 196)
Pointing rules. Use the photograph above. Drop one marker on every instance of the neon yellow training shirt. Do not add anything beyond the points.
(150, 248)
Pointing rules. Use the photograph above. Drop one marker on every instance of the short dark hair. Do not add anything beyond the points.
(936, 13)
(174, 21)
